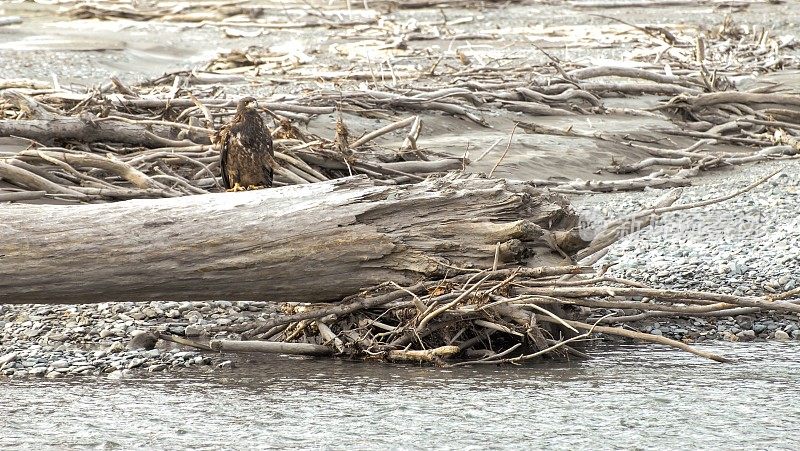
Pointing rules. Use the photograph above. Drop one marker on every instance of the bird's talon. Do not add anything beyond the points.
(236, 187)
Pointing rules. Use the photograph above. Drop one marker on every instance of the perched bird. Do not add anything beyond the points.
(246, 157)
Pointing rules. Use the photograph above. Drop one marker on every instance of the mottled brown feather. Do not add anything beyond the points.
(246, 155)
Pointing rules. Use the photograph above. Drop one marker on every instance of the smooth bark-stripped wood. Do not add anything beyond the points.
(423, 355)
(270, 347)
(34, 181)
(21, 195)
(311, 243)
(681, 296)
(88, 130)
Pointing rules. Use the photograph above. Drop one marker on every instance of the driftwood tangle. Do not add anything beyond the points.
(310, 243)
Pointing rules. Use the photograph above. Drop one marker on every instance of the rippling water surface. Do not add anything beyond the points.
(626, 397)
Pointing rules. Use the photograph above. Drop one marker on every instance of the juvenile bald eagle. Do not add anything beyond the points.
(246, 155)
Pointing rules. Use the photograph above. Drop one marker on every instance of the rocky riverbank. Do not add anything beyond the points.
(748, 245)
(54, 340)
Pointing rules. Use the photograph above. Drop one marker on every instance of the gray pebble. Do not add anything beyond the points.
(38, 371)
(117, 374)
(56, 336)
(781, 335)
(135, 363)
(10, 357)
(746, 335)
(193, 330)
(177, 330)
(106, 333)
(143, 340)
(60, 364)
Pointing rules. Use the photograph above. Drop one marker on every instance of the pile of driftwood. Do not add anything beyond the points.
(152, 140)
(262, 13)
(454, 270)
(98, 146)
(499, 313)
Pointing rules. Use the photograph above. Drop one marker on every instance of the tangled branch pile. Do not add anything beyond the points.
(128, 146)
(119, 142)
(500, 314)
(154, 141)
(489, 317)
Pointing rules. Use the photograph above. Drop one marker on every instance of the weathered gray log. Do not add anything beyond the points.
(316, 242)
(17, 196)
(87, 130)
(270, 347)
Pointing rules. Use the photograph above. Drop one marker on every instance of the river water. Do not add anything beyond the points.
(629, 397)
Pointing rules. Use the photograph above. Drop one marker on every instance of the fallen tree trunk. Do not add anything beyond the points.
(311, 243)
(88, 130)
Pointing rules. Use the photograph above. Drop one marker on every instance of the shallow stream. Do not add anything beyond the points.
(627, 397)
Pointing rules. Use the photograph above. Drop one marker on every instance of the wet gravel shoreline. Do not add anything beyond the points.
(114, 339)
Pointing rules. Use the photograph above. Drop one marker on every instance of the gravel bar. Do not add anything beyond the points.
(748, 245)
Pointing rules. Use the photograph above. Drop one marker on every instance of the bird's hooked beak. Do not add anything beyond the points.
(247, 103)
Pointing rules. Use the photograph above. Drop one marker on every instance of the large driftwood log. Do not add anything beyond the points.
(88, 130)
(316, 242)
